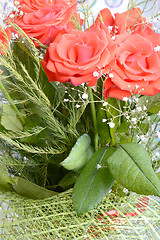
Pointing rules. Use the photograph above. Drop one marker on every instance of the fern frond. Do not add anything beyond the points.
(30, 148)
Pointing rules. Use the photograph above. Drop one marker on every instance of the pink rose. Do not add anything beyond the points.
(28, 6)
(104, 17)
(137, 66)
(79, 57)
(44, 20)
(130, 20)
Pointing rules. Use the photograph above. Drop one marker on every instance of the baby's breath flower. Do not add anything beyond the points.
(104, 120)
(95, 74)
(111, 124)
(134, 120)
(157, 48)
(125, 99)
(65, 100)
(78, 106)
(105, 104)
(98, 166)
(84, 95)
(110, 75)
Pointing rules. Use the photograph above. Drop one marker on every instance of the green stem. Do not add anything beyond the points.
(11, 102)
(94, 118)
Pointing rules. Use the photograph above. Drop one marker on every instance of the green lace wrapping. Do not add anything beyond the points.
(55, 218)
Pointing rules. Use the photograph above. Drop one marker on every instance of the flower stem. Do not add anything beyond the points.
(11, 102)
(94, 118)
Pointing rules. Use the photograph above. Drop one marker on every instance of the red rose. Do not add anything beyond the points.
(137, 67)
(5, 36)
(44, 23)
(79, 57)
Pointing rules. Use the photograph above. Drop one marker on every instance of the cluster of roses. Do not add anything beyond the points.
(123, 48)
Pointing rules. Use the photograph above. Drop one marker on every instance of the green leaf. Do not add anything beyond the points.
(80, 154)
(30, 190)
(53, 92)
(68, 180)
(130, 165)
(123, 128)
(9, 119)
(158, 175)
(5, 180)
(94, 182)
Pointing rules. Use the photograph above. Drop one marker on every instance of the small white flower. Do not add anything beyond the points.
(110, 28)
(143, 138)
(16, 3)
(125, 99)
(105, 104)
(84, 95)
(11, 16)
(139, 109)
(98, 166)
(125, 190)
(134, 120)
(157, 49)
(110, 75)
(78, 106)
(111, 124)
(65, 100)
(21, 13)
(144, 108)
(104, 120)
(95, 74)
(137, 86)
(41, 56)
(82, 16)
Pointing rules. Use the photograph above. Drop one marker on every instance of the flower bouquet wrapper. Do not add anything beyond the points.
(79, 123)
(125, 218)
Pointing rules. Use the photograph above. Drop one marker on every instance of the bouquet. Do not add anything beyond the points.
(80, 102)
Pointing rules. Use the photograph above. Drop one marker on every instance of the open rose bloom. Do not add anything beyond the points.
(43, 20)
(79, 57)
(122, 48)
(137, 66)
